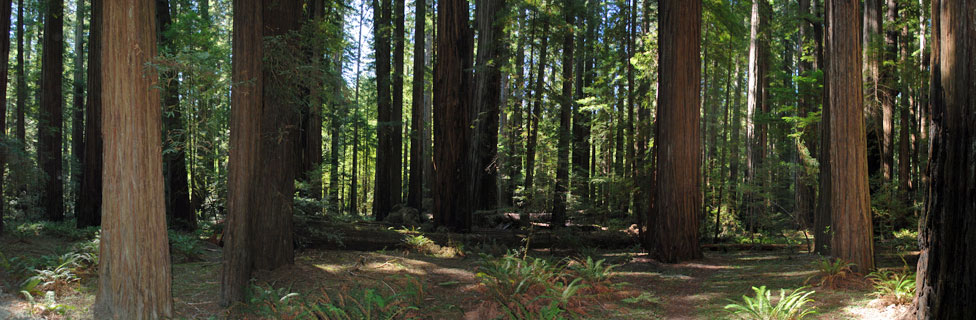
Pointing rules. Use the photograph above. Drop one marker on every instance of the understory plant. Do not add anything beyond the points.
(893, 287)
(830, 271)
(534, 288)
(761, 307)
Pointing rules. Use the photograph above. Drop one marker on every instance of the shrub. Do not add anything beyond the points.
(56, 276)
(789, 307)
(893, 287)
(531, 288)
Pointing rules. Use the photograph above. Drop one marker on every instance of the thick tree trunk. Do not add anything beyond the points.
(452, 114)
(88, 210)
(415, 189)
(487, 105)
(674, 212)
(179, 213)
(947, 263)
(565, 112)
(258, 233)
(50, 117)
(384, 188)
(849, 199)
(134, 269)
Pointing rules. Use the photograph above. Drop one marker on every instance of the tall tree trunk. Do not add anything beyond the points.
(631, 150)
(736, 136)
(849, 199)
(565, 111)
(353, 187)
(385, 157)
(905, 132)
(487, 94)
(134, 269)
(888, 90)
(536, 115)
(5, 8)
(78, 93)
(515, 134)
(396, 113)
(756, 105)
(822, 215)
(452, 114)
(581, 118)
(415, 189)
(873, 46)
(88, 211)
(806, 144)
(258, 232)
(50, 117)
(947, 263)
(674, 212)
(21, 131)
(179, 213)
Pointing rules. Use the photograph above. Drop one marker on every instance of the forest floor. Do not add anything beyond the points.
(450, 288)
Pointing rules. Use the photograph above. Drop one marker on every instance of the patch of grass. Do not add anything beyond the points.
(761, 307)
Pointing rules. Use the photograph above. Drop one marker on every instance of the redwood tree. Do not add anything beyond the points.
(452, 105)
(50, 116)
(264, 119)
(947, 263)
(565, 111)
(134, 268)
(5, 9)
(88, 209)
(674, 213)
(386, 168)
(849, 201)
(415, 188)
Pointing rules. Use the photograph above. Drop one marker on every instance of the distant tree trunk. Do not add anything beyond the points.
(50, 117)
(821, 219)
(906, 134)
(581, 118)
(757, 105)
(258, 232)
(134, 269)
(179, 213)
(21, 131)
(5, 8)
(806, 191)
(948, 249)
(536, 115)
(396, 113)
(515, 134)
(415, 189)
(385, 157)
(630, 145)
(78, 93)
(849, 198)
(873, 47)
(565, 112)
(487, 105)
(89, 207)
(353, 187)
(452, 114)
(888, 90)
(734, 139)
(674, 212)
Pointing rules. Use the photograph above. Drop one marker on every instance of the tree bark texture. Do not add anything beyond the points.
(386, 159)
(849, 199)
(415, 185)
(947, 263)
(674, 212)
(50, 117)
(487, 102)
(452, 114)
(134, 269)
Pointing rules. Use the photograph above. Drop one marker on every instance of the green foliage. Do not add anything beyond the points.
(55, 273)
(593, 272)
(62, 229)
(895, 287)
(532, 288)
(761, 307)
(829, 272)
(359, 303)
(186, 247)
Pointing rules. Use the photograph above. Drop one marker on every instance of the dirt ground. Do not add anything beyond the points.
(451, 290)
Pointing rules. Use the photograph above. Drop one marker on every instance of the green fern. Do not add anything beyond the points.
(760, 307)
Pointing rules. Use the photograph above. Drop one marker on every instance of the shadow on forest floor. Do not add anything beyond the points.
(451, 289)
